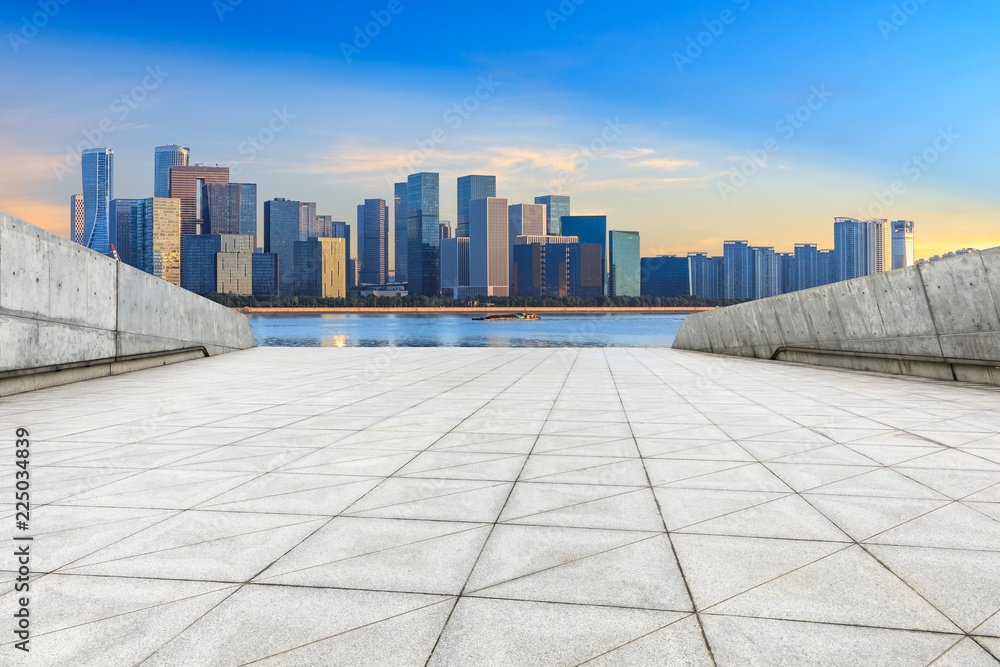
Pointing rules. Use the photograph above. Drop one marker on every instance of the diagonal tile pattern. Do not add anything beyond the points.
(509, 507)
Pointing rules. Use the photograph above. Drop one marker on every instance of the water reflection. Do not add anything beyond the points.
(410, 330)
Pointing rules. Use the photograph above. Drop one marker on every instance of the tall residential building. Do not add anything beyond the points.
(423, 263)
(739, 264)
(76, 218)
(806, 266)
(524, 220)
(789, 276)
(222, 263)
(164, 158)
(445, 228)
(707, 275)
(590, 229)
(399, 200)
(309, 222)
(321, 267)
(489, 259)
(469, 188)
(230, 208)
(827, 267)
(666, 276)
(859, 246)
(626, 268)
(283, 228)
(188, 185)
(902, 244)
(455, 267)
(156, 238)
(373, 242)
(98, 167)
(766, 273)
(120, 226)
(556, 206)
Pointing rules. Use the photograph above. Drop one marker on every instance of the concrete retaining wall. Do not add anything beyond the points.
(68, 313)
(939, 320)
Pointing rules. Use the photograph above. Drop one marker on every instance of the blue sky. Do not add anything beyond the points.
(893, 80)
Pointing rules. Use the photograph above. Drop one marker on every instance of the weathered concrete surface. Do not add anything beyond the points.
(64, 305)
(938, 320)
(507, 507)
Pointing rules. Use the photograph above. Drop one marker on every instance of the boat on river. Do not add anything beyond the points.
(512, 317)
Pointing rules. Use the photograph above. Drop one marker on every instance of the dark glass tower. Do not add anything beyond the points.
(556, 207)
(98, 167)
(590, 229)
(282, 230)
(625, 264)
(423, 234)
(469, 188)
(373, 242)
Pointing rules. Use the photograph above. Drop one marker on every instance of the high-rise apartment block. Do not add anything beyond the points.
(738, 261)
(164, 158)
(489, 258)
(626, 269)
(556, 206)
(469, 188)
(188, 185)
(423, 267)
(859, 247)
(98, 168)
(76, 218)
(902, 244)
(765, 273)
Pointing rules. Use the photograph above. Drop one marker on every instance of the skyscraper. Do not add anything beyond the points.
(98, 167)
(489, 258)
(230, 208)
(626, 268)
(454, 267)
(806, 266)
(373, 242)
(187, 184)
(220, 263)
(320, 267)
(902, 244)
(590, 229)
(283, 228)
(739, 264)
(699, 268)
(527, 274)
(399, 201)
(789, 275)
(523, 220)
(120, 226)
(556, 206)
(164, 158)
(666, 276)
(423, 264)
(76, 218)
(859, 247)
(156, 238)
(469, 188)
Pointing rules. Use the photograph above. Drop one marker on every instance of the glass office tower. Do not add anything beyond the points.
(399, 200)
(283, 228)
(489, 256)
(626, 267)
(556, 206)
(667, 276)
(164, 158)
(423, 266)
(120, 225)
(98, 167)
(373, 242)
(187, 184)
(590, 229)
(230, 208)
(469, 188)
(156, 238)
(902, 244)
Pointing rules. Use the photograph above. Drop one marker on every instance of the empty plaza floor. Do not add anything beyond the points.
(506, 507)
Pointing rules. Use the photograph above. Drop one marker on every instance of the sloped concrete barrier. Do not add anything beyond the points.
(69, 314)
(938, 320)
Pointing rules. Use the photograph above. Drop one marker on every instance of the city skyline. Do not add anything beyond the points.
(667, 152)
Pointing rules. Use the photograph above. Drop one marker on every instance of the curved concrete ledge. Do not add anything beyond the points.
(68, 314)
(938, 320)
